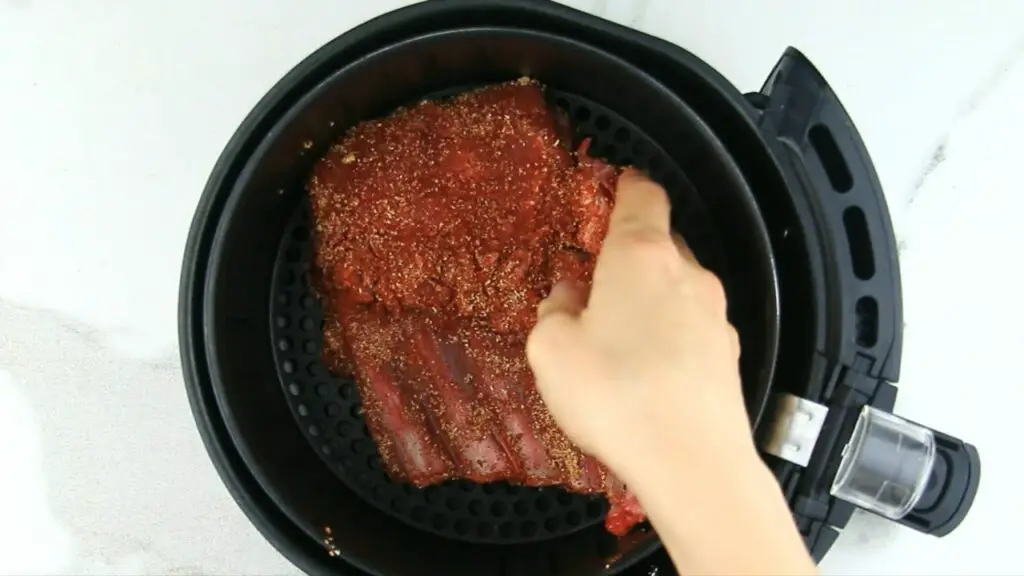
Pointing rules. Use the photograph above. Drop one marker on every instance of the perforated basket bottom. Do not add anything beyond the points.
(328, 409)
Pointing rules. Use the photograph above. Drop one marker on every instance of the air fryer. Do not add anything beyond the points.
(774, 190)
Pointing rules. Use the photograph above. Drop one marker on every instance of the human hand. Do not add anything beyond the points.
(646, 363)
(642, 372)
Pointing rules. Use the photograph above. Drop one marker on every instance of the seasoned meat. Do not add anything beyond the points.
(438, 230)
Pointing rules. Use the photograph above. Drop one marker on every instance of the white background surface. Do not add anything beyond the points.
(112, 113)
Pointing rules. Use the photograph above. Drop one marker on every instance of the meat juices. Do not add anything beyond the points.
(438, 230)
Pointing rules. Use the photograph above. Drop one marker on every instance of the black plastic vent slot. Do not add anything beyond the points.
(831, 158)
(859, 239)
(867, 321)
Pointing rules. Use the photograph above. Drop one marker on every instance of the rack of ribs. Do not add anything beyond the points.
(437, 231)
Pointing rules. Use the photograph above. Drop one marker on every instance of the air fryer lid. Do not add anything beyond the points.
(642, 124)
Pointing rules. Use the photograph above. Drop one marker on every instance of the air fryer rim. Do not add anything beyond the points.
(264, 513)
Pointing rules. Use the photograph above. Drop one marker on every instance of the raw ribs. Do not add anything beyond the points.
(438, 230)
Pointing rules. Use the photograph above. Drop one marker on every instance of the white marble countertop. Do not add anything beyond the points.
(113, 112)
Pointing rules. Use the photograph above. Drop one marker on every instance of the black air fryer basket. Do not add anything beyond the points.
(773, 190)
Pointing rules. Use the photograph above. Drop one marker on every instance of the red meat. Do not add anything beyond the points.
(438, 230)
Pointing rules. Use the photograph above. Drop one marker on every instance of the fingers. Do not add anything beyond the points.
(556, 320)
(641, 205)
(734, 341)
(555, 335)
(565, 298)
(683, 247)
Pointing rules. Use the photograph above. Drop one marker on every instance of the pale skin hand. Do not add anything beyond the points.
(642, 372)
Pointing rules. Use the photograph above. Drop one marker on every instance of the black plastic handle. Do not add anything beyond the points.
(858, 305)
(951, 488)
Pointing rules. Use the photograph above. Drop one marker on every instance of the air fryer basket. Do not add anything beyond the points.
(266, 370)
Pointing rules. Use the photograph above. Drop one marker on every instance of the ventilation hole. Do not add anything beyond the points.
(281, 321)
(573, 518)
(552, 524)
(309, 346)
(490, 489)
(287, 277)
(292, 254)
(859, 239)
(654, 165)
(397, 505)
(313, 430)
(453, 503)
(323, 390)
(564, 498)
(521, 507)
(543, 503)
(347, 391)
(326, 449)
(314, 368)
(332, 410)
(507, 530)
(373, 462)
(640, 149)
(345, 428)
(288, 366)
(476, 507)
(461, 527)
(408, 489)
(582, 114)
(622, 135)
(308, 324)
(308, 301)
(595, 509)
(419, 514)
(302, 409)
(356, 411)
(512, 490)
(499, 509)
(432, 495)
(831, 158)
(294, 389)
(439, 522)
(484, 530)
(299, 233)
(602, 123)
(867, 321)
(529, 529)
(362, 446)
(284, 344)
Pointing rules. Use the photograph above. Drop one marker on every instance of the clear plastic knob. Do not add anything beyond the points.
(886, 465)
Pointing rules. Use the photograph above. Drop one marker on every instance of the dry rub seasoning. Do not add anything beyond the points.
(437, 232)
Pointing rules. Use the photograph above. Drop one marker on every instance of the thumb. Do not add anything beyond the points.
(557, 318)
(565, 298)
(553, 348)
